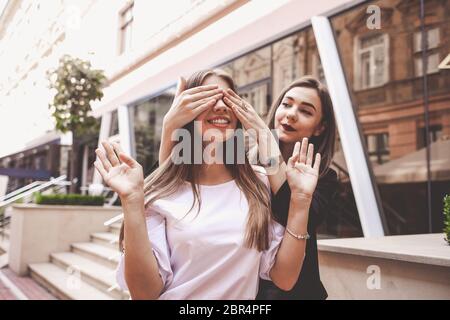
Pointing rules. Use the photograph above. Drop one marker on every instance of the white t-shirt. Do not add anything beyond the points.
(202, 256)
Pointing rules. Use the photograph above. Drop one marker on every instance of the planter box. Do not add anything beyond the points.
(38, 230)
(392, 267)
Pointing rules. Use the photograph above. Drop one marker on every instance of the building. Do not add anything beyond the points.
(47, 31)
(264, 46)
(43, 158)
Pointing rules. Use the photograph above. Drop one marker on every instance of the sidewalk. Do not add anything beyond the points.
(25, 285)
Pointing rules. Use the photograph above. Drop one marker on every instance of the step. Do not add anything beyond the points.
(4, 260)
(4, 245)
(101, 277)
(108, 239)
(6, 234)
(115, 228)
(101, 254)
(60, 285)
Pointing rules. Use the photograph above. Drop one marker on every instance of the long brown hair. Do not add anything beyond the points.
(324, 143)
(169, 176)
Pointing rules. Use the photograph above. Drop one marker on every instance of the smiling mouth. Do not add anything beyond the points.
(219, 122)
(287, 127)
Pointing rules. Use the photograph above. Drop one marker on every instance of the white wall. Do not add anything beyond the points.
(251, 24)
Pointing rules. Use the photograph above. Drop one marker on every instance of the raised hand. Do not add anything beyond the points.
(190, 103)
(244, 111)
(301, 174)
(267, 147)
(122, 174)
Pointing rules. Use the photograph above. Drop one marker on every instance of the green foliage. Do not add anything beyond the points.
(69, 199)
(76, 86)
(447, 218)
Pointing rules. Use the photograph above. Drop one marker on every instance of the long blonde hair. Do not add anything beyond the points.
(169, 176)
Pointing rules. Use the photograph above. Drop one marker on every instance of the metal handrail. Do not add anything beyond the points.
(113, 220)
(33, 190)
(394, 213)
(387, 207)
(13, 193)
(25, 192)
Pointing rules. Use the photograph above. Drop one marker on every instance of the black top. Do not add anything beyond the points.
(308, 286)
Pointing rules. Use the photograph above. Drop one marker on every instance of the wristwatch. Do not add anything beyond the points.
(272, 162)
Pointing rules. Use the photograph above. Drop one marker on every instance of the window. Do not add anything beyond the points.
(317, 68)
(286, 61)
(252, 67)
(431, 51)
(114, 129)
(378, 147)
(435, 133)
(252, 76)
(40, 162)
(257, 96)
(147, 118)
(372, 62)
(126, 28)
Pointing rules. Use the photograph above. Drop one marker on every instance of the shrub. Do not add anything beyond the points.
(447, 218)
(69, 199)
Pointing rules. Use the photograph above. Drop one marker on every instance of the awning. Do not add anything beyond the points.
(409, 168)
(412, 167)
(25, 173)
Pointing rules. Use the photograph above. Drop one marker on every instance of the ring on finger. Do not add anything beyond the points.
(243, 106)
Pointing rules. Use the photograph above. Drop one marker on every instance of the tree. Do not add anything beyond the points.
(76, 86)
(447, 218)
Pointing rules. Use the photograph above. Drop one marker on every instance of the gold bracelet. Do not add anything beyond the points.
(298, 236)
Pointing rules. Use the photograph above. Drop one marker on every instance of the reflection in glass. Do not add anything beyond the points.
(114, 129)
(147, 120)
(260, 83)
(385, 67)
(286, 61)
(252, 67)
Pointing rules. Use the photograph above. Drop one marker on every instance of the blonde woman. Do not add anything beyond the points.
(205, 231)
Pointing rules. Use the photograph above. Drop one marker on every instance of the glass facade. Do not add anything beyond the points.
(114, 129)
(384, 68)
(269, 70)
(146, 118)
(384, 71)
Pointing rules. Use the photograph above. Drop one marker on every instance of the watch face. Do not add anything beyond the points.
(271, 162)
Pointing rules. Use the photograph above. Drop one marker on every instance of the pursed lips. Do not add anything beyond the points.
(287, 127)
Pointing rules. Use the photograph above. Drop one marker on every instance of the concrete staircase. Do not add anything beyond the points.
(87, 272)
(4, 241)
(4, 248)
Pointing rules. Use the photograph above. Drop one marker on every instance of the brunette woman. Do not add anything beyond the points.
(303, 110)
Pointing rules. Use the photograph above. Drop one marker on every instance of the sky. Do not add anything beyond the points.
(2, 5)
